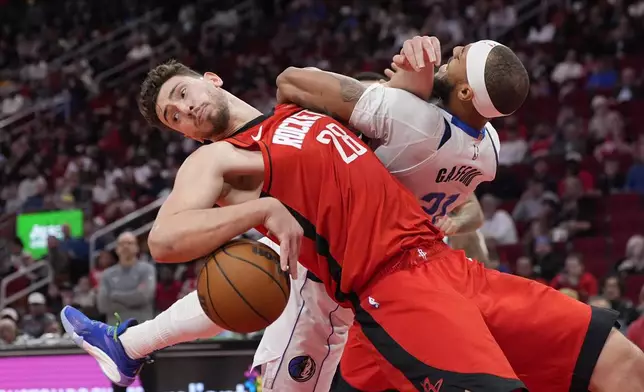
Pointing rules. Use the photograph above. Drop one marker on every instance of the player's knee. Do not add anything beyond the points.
(620, 365)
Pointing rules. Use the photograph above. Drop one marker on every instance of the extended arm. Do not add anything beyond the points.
(379, 112)
(188, 226)
(324, 92)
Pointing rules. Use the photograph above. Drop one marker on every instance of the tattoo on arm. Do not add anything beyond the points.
(350, 89)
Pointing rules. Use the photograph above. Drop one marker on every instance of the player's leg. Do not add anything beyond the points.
(122, 350)
(127, 346)
(301, 350)
(552, 341)
(415, 332)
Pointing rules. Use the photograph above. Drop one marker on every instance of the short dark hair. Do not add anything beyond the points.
(369, 77)
(152, 85)
(506, 79)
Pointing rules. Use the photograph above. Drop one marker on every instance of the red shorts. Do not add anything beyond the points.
(450, 324)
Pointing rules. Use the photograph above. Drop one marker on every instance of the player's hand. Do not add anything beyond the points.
(447, 225)
(288, 231)
(419, 52)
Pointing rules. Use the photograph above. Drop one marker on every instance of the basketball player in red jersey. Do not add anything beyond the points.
(427, 318)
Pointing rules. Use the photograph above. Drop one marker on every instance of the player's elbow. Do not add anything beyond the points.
(286, 86)
(161, 244)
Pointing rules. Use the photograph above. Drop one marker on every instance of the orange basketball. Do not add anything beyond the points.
(242, 288)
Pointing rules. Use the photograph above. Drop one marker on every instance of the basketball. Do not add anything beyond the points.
(242, 288)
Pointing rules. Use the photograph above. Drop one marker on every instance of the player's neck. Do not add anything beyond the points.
(240, 114)
(469, 117)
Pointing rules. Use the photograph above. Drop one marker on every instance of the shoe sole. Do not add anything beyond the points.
(109, 367)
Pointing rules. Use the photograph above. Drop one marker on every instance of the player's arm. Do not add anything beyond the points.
(188, 227)
(392, 115)
(322, 91)
(413, 69)
(469, 215)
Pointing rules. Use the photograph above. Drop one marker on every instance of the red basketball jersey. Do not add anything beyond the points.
(357, 219)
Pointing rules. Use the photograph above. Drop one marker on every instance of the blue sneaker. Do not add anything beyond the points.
(101, 342)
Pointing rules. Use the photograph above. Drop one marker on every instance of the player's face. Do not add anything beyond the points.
(450, 82)
(196, 107)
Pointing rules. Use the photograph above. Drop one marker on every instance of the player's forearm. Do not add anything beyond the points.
(469, 215)
(188, 235)
(418, 83)
(325, 92)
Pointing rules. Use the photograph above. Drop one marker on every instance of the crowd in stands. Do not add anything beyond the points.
(569, 159)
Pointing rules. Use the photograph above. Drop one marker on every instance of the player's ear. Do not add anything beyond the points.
(214, 78)
(464, 92)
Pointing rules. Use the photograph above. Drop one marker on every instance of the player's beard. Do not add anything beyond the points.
(442, 90)
(219, 118)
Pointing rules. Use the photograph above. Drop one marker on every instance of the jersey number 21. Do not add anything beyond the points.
(436, 204)
(342, 142)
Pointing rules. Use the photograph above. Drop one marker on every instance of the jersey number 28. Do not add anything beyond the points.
(436, 204)
(342, 142)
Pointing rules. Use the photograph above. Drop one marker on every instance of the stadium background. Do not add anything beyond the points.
(569, 193)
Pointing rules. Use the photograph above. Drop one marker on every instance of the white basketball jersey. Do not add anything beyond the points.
(432, 153)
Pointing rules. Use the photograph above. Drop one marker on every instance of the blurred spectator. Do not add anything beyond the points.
(633, 263)
(542, 141)
(635, 176)
(629, 88)
(501, 17)
(571, 141)
(604, 118)
(568, 69)
(611, 180)
(574, 170)
(498, 225)
(105, 260)
(77, 250)
(8, 331)
(9, 313)
(85, 297)
(542, 174)
(613, 145)
(603, 75)
(525, 269)
(140, 49)
(575, 277)
(513, 148)
(613, 290)
(59, 260)
(190, 284)
(31, 185)
(544, 255)
(128, 287)
(168, 289)
(60, 296)
(577, 210)
(38, 320)
(530, 206)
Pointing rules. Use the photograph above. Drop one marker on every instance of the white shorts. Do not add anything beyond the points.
(301, 350)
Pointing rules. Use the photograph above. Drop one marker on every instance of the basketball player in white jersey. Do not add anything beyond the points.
(440, 155)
